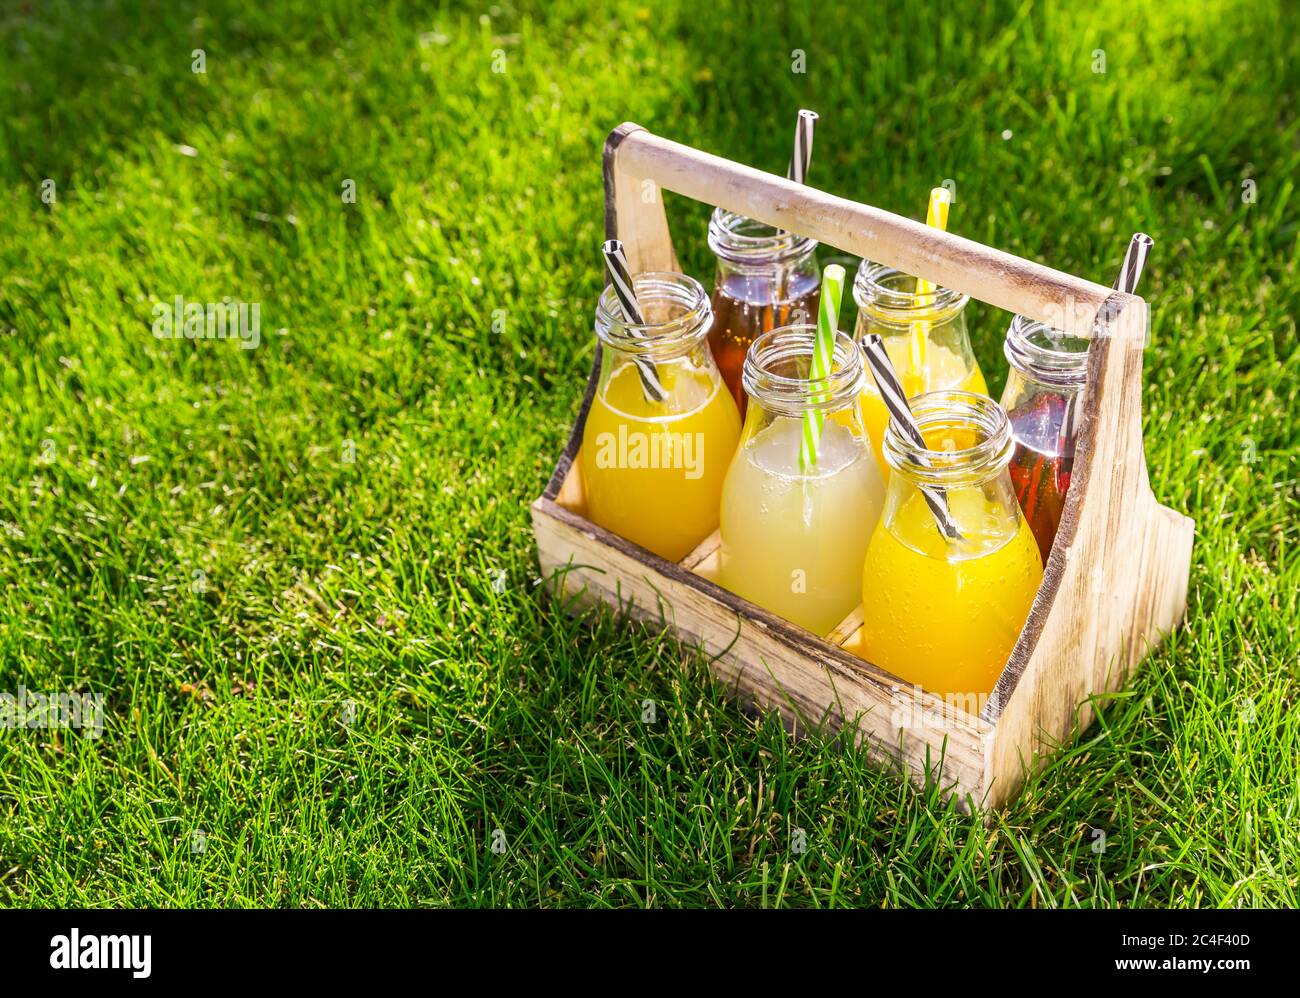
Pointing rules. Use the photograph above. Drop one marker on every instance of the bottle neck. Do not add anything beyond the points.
(746, 246)
(890, 298)
(777, 370)
(676, 312)
(964, 466)
(968, 441)
(1045, 355)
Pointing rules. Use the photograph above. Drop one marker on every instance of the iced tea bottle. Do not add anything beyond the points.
(1043, 397)
(766, 278)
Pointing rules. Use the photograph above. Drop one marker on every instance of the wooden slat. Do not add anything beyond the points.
(705, 552)
(848, 627)
(634, 208)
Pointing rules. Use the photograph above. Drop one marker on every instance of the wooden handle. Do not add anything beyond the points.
(638, 159)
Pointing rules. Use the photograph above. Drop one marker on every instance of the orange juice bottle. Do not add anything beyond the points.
(924, 335)
(653, 467)
(945, 613)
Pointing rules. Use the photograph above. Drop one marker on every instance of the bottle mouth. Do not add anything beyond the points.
(968, 440)
(1045, 354)
(777, 366)
(890, 296)
(676, 312)
(747, 242)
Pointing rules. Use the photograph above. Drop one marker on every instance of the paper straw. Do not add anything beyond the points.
(621, 277)
(800, 160)
(936, 216)
(803, 143)
(900, 414)
(828, 324)
(1135, 258)
(1130, 273)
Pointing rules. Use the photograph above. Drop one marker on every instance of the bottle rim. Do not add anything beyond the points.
(683, 316)
(889, 296)
(794, 395)
(747, 242)
(1045, 354)
(957, 466)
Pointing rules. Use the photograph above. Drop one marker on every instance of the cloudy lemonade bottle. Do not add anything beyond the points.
(945, 613)
(794, 535)
(924, 333)
(662, 426)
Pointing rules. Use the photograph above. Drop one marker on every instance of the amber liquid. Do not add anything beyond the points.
(1040, 469)
(744, 307)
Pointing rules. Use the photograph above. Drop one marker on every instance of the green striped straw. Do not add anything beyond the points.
(828, 322)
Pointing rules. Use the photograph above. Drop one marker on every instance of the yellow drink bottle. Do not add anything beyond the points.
(794, 536)
(945, 613)
(923, 333)
(652, 467)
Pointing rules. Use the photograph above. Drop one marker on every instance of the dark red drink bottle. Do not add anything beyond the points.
(766, 279)
(1043, 398)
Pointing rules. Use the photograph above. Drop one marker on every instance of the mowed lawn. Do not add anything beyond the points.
(302, 575)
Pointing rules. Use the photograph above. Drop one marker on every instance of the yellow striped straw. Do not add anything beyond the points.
(936, 216)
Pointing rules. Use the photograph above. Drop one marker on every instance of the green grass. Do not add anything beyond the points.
(364, 588)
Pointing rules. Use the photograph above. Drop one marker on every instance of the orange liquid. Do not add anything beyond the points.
(653, 471)
(945, 615)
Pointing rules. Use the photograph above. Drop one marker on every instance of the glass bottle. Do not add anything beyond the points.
(766, 278)
(653, 467)
(794, 536)
(1043, 400)
(924, 335)
(944, 614)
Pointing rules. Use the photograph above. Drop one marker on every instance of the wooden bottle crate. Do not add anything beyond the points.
(1114, 585)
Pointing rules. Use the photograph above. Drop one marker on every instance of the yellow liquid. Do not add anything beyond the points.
(793, 541)
(653, 471)
(943, 370)
(946, 616)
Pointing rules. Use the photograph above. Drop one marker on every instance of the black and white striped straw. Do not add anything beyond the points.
(803, 143)
(1135, 258)
(621, 278)
(1130, 273)
(900, 414)
(800, 160)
